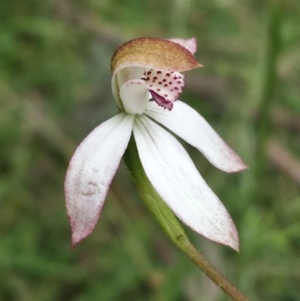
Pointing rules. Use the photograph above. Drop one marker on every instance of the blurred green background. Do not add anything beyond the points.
(55, 88)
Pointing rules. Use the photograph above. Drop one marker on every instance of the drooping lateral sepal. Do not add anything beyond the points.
(91, 170)
(176, 179)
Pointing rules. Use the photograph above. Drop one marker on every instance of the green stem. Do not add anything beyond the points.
(171, 225)
(269, 82)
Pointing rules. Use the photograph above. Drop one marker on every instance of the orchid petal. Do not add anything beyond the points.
(176, 179)
(123, 76)
(91, 170)
(189, 125)
(135, 96)
(189, 44)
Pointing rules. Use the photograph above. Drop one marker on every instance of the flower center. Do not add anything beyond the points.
(164, 86)
(139, 85)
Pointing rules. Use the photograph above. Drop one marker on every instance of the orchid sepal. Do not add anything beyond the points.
(189, 125)
(176, 179)
(153, 53)
(91, 171)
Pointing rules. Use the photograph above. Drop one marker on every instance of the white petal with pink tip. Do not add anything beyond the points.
(91, 170)
(176, 179)
(189, 44)
(189, 125)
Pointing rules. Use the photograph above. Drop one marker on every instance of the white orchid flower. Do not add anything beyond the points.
(146, 82)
